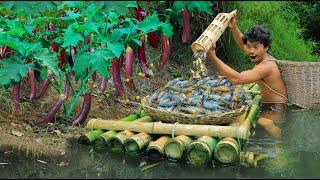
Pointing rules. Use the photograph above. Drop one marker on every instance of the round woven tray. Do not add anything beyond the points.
(173, 117)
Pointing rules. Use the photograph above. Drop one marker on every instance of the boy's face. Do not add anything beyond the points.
(256, 51)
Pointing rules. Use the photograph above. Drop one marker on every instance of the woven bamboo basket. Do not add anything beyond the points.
(173, 117)
(302, 81)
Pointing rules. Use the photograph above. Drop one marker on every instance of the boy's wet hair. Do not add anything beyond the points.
(258, 34)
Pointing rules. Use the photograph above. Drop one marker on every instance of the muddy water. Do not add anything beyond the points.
(297, 155)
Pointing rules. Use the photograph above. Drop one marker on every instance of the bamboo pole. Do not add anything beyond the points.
(168, 128)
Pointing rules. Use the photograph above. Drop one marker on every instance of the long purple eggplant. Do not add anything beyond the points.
(45, 84)
(56, 107)
(83, 114)
(32, 84)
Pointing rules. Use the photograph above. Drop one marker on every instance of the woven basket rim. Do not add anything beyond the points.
(304, 63)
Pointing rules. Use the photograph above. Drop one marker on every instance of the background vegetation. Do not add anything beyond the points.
(287, 24)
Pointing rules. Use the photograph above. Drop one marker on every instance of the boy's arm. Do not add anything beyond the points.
(258, 72)
(236, 33)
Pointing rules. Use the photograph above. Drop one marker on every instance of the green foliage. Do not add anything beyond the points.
(47, 59)
(13, 70)
(288, 43)
(192, 6)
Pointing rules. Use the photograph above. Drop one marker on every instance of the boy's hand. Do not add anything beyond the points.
(211, 54)
(233, 21)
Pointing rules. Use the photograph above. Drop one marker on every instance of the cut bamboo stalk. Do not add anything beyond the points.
(90, 136)
(175, 147)
(255, 87)
(249, 86)
(102, 139)
(155, 148)
(254, 108)
(227, 151)
(116, 142)
(168, 128)
(200, 151)
(136, 143)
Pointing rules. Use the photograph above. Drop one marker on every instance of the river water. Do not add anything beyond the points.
(297, 155)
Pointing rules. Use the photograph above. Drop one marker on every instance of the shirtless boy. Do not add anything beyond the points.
(256, 43)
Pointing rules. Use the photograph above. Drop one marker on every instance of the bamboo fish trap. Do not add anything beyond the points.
(212, 32)
(302, 81)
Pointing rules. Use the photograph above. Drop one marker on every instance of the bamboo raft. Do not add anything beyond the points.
(197, 144)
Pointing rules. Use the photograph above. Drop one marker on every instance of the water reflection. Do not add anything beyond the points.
(295, 156)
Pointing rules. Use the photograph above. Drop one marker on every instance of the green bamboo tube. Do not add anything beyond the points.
(102, 139)
(136, 143)
(115, 143)
(144, 119)
(175, 147)
(254, 108)
(130, 117)
(255, 88)
(240, 131)
(200, 151)
(227, 151)
(249, 86)
(143, 113)
(156, 148)
(90, 136)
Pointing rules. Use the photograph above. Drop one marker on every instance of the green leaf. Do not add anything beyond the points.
(71, 37)
(91, 11)
(90, 26)
(149, 23)
(116, 35)
(167, 29)
(6, 40)
(200, 6)
(101, 61)
(70, 4)
(12, 71)
(28, 29)
(175, 13)
(135, 43)
(26, 48)
(81, 64)
(15, 28)
(113, 17)
(116, 48)
(120, 7)
(71, 16)
(48, 59)
(23, 7)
